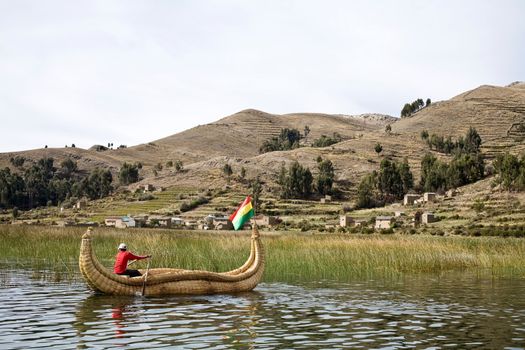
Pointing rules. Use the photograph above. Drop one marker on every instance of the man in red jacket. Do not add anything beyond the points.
(121, 263)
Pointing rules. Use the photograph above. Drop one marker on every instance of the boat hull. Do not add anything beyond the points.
(168, 281)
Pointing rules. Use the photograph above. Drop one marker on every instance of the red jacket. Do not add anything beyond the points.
(121, 263)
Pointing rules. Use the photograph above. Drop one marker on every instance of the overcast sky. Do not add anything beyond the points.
(130, 72)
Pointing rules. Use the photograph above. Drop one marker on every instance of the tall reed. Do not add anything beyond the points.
(289, 256)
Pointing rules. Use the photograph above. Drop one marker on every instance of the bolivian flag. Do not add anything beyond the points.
(242, 214)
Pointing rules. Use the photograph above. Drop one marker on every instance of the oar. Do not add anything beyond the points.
(146, 277)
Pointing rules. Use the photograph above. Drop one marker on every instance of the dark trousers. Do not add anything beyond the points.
(131, 273)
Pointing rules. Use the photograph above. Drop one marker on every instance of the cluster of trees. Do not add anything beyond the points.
(288, 139)
(410, 108)
(465, 168)
(391, 183)
(471, 143)
(129, 173)
(325, 141)
(510, 171)
(42, 184)
(298, 182)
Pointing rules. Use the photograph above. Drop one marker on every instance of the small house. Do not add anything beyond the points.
(346, 221)
(190, 224)
(410, 198)
(384, 222)
(224, 225)
(266, 220)
(451, 193)
(429, 197)
(326, 199)
(110, 221)
(125, 222)
(176, 221)
(162, 221)
(81, 204)
(360, 223)
(140, 220)
(399, 213)
(428, 217)
(146, 188)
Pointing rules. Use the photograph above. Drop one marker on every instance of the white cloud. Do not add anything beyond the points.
(135, 71)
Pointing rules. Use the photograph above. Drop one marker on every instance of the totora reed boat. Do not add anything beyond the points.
(166, 281)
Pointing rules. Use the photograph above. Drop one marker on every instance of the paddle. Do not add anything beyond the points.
(146, 277)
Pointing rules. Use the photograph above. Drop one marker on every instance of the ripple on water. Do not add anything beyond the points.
(412, 313)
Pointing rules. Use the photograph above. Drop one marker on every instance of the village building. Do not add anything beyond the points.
(346, 221)
(119, 221)
(110, 221)
(451, 193)
(429, 197)
(161, 221)
(141, 220)
(384, 222)
(224, 225)
(428, 217)
(191, 224)
(176, 221)
(125, 222)
(410, 198)
(399, 213)
(81, 204)
(326, 199)
(266, 220)
(146, 188)
(360, 223)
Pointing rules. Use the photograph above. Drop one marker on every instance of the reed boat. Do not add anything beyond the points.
(170, 281)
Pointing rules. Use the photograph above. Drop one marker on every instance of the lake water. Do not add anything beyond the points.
(456, 310)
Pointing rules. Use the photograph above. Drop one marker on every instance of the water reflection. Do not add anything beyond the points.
(453, 310)
(170, 321)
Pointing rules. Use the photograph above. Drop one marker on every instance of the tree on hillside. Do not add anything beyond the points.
(378, 148)
(407, 179)
(288, 139)
(428, 102)
(179, 166)
(98, 184)
(256, 193)
(325, 141)
(424, 135)
(510, 171)
(297, 183)
(389, 181)
(228, 171)
(128, 173)
(306, 132)
(325, 178)
(410, 108)
(388, 129)
(472, 141)
(366, 191)
(68, 167)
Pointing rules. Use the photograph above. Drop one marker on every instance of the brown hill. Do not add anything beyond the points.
(498, 113)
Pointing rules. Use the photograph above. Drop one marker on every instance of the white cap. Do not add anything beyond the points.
(122, 246)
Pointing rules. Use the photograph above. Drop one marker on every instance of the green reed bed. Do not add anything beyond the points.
(289, 256)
